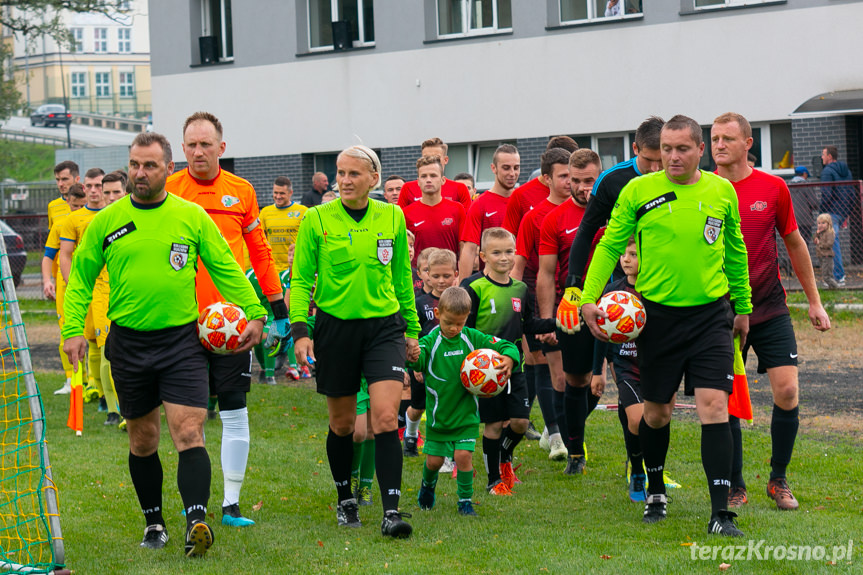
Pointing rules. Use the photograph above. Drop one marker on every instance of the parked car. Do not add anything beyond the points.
(51, 115)
(15, 250)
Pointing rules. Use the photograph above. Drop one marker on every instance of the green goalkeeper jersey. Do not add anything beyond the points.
(357, 269)
(690, 247)
(452, 413)
(151, 252)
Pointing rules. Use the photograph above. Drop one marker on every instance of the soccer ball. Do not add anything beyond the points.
(220, 326)
(481, 373)
(626, 316)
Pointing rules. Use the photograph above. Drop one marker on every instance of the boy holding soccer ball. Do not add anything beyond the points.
(501, 306)
(453, 414)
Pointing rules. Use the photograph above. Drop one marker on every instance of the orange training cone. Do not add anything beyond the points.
(739, 403)
(76, 402)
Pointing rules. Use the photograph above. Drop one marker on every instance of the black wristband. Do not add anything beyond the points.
(280, 309)
(299, 330)
(574, 281)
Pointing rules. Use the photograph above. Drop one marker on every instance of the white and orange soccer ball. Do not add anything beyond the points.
(220, 326)
(626, 316)
(482, 373)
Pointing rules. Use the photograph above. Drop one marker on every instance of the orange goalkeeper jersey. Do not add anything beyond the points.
(231, 202)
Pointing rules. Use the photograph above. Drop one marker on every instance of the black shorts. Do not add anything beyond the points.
(348, 348)
(230, 372)
(694, 342)
(510, 403)
(577, 351)
(773, 342)
(533, 344)
(628, 393)
(151, 367)
(418, 392)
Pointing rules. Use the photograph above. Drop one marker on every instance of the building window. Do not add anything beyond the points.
(79, 84)
(579, 10)
(77, 39)
(475, 159)
(216, 24)
(359, 14)
(127, 84)
(100, 37)
(469, 17)
(103, 84)
(124, 40)
(771, 146)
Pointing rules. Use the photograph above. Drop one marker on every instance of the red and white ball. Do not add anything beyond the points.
(626, 316)
(482, 373)
(220, 326)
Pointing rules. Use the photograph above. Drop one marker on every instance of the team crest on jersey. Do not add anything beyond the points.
(712, 229)
(229, 201)
(385, 251)
(758, 206)
(446, 222)
(516, 304)
(179, 256)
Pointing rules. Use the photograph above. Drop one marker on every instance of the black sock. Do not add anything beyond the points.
(545, 395)
(340, 453)
(530, 379)
(716, 459)
(491, 457)
(783, 432)
(736, 453)
(633, 449)
(403, 410)
(592, 401)
(624, 426)
(654, 446)
(560, 413)
(193, 481)
(146, 475)
(388, 466)
(508, 442)
(576, 413)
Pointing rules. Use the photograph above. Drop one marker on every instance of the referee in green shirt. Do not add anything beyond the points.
(691, 256)
(150, 242)
(355, 254)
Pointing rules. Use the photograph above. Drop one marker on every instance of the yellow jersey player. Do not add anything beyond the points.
(281, 221)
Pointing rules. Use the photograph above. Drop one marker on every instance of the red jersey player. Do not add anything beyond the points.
(489, 208)
(435, 221)
(411, 192)
(765, 208)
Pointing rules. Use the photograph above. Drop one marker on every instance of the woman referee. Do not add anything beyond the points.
(363, 290)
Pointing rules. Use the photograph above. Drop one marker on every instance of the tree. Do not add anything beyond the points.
(34, 18)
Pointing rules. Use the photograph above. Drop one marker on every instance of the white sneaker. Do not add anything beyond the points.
(448, 465)
(558, 449)
(543, 441)
(66, 389)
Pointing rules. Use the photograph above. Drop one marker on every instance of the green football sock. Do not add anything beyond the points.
(429, 477)
(367, 467)
(464, 479)
(358, 459)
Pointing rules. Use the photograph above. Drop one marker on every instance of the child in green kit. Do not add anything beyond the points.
(452, 423)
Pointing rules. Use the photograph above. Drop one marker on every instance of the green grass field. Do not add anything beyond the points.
(554, 523)
(26, 162)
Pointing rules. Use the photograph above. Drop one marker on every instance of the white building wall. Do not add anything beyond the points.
(761, 64)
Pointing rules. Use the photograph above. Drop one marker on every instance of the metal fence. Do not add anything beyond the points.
(843, 201)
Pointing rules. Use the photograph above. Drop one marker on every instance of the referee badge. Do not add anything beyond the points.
(179, 256)
(712, 229)
(385, 251)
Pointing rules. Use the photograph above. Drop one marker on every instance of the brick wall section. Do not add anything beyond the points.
(401, 161)
(529, 150)
(810, 135)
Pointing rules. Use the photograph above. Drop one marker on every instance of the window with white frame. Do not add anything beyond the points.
(100, 40)
(216, 22)
(474, 159)
(771, 147)
(579, 10)
(124, 40)
(127, 84)
(77, 39)
(78, 82)
(103, 84)
(471, 17)
(358, 13)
